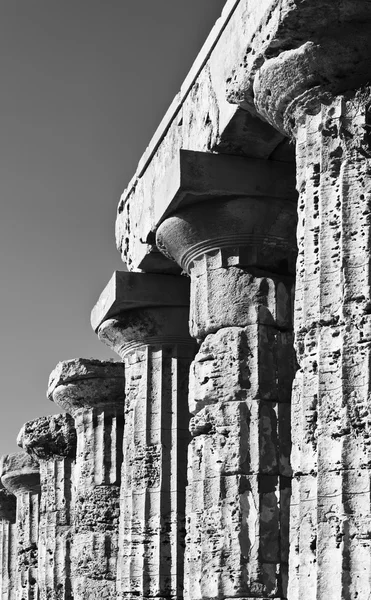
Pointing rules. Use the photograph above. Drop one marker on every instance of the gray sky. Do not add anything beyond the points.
(84, 84)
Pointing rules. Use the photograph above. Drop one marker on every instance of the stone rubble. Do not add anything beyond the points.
(226, 454)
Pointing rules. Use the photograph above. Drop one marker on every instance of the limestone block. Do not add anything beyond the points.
(8, 505)
(48, 437)
(247, 437)
(239, 363)
(154, 471)
(8, 544)
(130, 291)
(20, 475)
(202, 119)
(94, 393)
(233, 545)
(228, 247)
(303, 538)
(52, 440)
(331, 415)
(145, 320)
(8, 560)
(200, 176)
(240, 395)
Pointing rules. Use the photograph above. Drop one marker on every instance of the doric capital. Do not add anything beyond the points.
(295, 82)
(48, 438)
(8, 505)
(228, 247)
(80, 384)
(140, 309)
(194, 178)
(255, 233)
(20, 473)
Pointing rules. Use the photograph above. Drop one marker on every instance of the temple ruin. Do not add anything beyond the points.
(226, 454)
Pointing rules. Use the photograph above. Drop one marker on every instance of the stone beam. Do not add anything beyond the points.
(196, 177)
(220, 109)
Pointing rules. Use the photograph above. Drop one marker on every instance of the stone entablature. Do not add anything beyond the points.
(228, 454)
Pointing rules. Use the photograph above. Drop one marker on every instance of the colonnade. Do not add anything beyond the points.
(225, 454)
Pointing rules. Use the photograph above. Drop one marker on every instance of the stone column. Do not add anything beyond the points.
(20, 476)
(145, 320)
(8, 542)
(309, 98)
(52, 441)
(240, 254)
(94, 393)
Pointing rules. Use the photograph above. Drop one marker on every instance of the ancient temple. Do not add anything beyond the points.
(226, 454)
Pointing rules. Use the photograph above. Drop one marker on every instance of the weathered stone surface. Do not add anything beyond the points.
(248, 437)
(8, 504)
(8, 560)
(155, 344)
(206, 116)
(8, 542)
(127, 291)
(330, 405)
(332, 417)
(77, 383)
(241, 435)
(235, 552)
(20, 475)
(233, 232)
(225, 247)
(198, 177)
(225, 366)
(94, 392)
(240, 255)
(157, 350)
(53, 441)
(49, 437)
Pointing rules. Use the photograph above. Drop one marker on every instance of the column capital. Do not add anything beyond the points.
(229, 247)
(20, 474)
(8, 504)
(296, 82)
(251, 232)
(49, 438)
(80, 383)
(194, 178)
(139, 309)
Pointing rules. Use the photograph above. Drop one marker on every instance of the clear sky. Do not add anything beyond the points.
(84, 84)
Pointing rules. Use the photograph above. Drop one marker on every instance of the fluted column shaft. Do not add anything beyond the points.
(94, 392)
(309, 97)
(157, 350)
(331, 512)
(52, 441)
(20, 476)
(8, 543)
(240, 255)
